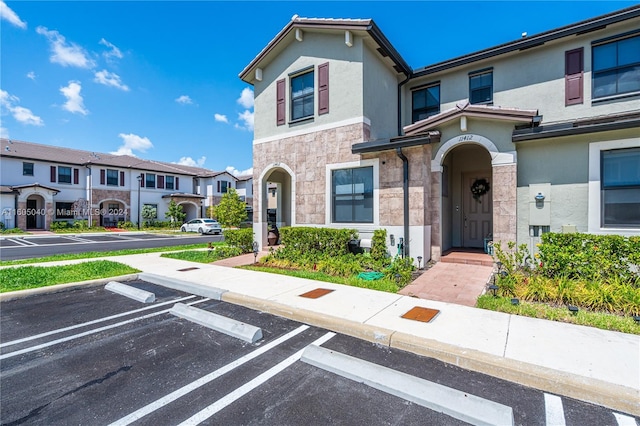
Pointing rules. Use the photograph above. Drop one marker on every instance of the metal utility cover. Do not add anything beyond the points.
(421, 314)
(318, 292)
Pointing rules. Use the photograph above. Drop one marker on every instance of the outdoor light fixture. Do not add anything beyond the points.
(499, 266)
(515, 301)
(419, 261)
(255, 251)
(636, 318)
(573, 309)
(494, 289)
(397, 278)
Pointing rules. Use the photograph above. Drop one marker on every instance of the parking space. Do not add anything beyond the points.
(90, 356)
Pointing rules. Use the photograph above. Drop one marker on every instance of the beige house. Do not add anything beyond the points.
(539, 134)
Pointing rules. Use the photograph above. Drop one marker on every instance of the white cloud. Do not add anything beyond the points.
(113, 53)
(188, 161)
(75, 103)
(63, 53)
(9, 15)
(184, 99)
(31, 75)
(220, 118)
(131, 142)
(4, 133)
(20, 114)
(247, 119)
(110, 79)
(237, 172)
(246, 98)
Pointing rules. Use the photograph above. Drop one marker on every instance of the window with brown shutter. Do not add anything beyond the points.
(177, 183)
(121, 178)
(142, 180)
(574, 76)
(160, 182)
(323, 88)
(53, 174)
(76, 176)
(280, 102)
(103, 173)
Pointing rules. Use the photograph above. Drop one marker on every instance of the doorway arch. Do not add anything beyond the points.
(276, 201)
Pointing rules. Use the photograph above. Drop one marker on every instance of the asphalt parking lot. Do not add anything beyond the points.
(94, 357)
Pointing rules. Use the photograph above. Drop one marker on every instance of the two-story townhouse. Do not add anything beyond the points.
(42, 184)
(539, 134)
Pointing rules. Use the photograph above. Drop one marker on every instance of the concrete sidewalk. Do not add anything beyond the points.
(585, 363)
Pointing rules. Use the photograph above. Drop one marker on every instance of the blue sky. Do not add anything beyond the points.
(159, 79)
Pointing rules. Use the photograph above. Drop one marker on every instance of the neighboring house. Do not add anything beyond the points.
(42, 184)
(354, 137)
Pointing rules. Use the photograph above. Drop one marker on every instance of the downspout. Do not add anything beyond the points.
(16, 194)
(405, 172)
(89, 194)
(405, 191)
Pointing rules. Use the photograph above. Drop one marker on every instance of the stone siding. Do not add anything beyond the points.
(505, 200)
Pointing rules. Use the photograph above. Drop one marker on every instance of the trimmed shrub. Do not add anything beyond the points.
(239, 238)
(379, 245)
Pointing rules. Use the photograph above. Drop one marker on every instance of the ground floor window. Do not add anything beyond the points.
(352, 195)
(620, 185)
(64, 211)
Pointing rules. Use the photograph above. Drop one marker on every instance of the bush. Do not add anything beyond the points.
(59, 226)
(311, 241)
(239, 238)
(126, 225)
(379, 245)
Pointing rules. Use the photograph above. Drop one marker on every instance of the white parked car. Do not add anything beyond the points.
(203, 226)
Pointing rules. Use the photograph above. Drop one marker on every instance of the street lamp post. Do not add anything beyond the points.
(139, 186)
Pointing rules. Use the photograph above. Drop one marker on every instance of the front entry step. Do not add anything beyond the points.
(467, 257)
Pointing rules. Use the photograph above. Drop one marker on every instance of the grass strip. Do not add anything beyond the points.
(380, 285)
(605, 321)
(25, 277)
(200, 256)
(94, 254)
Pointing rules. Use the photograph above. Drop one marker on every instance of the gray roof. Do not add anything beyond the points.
(56, 154)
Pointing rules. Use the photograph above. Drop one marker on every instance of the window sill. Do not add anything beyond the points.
(488, 103)
(615, 97)
(302, 120)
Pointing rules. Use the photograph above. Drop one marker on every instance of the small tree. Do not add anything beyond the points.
(175, 214)
(231, 211)
(149, 213)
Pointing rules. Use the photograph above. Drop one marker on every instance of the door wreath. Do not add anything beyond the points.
(479, 188)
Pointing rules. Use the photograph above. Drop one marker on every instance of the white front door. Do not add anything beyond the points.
(477, 213)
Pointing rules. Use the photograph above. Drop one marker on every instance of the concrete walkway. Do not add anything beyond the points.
(585, 363)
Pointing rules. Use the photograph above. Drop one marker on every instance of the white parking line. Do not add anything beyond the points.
(149, 408)
(625, 420)
(249, 386)
(96, 321)
(554, 410)
(21, 242)
(81, 240)
(87, 333)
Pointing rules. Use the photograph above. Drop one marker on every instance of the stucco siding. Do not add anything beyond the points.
(346, 97)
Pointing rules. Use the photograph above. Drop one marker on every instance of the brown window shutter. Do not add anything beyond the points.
(218, 186)
(142, 180)
(177, 183)
(102, 176)
(323, 88)
(280, 103)
(121, 178)
(160, 182)
(574, 76)
(53, 173)
(76, 176)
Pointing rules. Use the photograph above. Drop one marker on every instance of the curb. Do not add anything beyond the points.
(586, 389)
(20, 294)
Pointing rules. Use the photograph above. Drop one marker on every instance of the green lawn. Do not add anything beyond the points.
(26, 277)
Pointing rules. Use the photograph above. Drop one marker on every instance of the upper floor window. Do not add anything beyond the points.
(64, 174)
(481, 87)
(616, 67)
(302, 95)
(150, 180)
(223, 186)
(168, 182)
(112, 177)
(27, 169)
(352, 195)
(425, 102)
(621, 187)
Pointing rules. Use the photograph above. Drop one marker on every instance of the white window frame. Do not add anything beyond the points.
(595, 186)
(375, 163)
